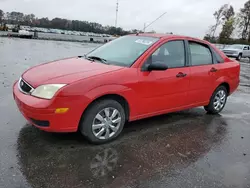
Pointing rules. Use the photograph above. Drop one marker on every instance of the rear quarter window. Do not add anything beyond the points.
(218, 57)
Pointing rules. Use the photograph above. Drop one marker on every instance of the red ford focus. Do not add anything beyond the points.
(130, 78)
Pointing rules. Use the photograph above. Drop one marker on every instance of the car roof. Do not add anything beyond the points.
(159, 35)
(167, 36)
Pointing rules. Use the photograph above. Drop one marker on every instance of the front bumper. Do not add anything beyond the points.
(231, 55)
(41, 112)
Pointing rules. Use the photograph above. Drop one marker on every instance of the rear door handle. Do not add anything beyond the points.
(213, 69)
(181, 74)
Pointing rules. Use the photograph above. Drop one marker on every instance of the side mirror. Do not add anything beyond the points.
(157, 66)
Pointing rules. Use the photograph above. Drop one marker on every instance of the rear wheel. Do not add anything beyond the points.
(103, 121)
(217, 101)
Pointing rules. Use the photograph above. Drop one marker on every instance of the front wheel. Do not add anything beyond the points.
(103, 121)
(239, 57)
(217, 101)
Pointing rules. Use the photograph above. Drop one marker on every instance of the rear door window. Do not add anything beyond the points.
(200, 54)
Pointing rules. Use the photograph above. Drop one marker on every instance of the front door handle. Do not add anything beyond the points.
(181, 74)
(213, 69)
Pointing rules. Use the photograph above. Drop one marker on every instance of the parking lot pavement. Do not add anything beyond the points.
(184, 149)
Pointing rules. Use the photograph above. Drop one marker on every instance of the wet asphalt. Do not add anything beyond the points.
(184, 149)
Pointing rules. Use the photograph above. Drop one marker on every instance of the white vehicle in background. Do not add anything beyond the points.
(32, 29)
(237, 51)
(26, 28)
(24, 34)
(55, 31)
(10, 26)
(90, 34)
(69, 33)
(43, 30)
(83, 33)
(76, 33)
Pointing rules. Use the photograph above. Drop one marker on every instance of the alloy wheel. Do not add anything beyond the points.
(219, 100)
(106, 123)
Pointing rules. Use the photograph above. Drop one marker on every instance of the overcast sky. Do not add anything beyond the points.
(188, 17)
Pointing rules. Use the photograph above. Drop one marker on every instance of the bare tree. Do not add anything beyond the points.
(1, 15)
(228, 25)
(228, 13)
(227, 30)
(244, 20)
(219, 15)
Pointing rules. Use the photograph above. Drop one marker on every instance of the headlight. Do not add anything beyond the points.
(47, 91)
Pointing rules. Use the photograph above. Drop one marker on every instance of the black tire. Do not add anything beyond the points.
(90, 114)
(210, 107)
(239, 57)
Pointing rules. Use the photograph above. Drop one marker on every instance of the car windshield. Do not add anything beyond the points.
(123, 51)
(236, 47)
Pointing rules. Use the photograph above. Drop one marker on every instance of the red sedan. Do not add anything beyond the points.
(130, 78)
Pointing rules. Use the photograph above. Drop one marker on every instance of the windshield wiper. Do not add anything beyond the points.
(97, 58)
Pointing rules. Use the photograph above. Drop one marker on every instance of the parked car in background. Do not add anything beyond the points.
(237, 51)
(26, 28)
(130, 78)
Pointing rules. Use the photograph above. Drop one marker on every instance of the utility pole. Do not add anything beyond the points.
(117, 6)
(153, 21)
(144, 27)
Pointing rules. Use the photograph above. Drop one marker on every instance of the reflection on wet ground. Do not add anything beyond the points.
(184, 149)
(148, 151)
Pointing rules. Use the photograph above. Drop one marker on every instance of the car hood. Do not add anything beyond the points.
(65, 71)
(231, 49)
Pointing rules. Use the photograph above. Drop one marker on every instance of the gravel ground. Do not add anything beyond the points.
(184, 149)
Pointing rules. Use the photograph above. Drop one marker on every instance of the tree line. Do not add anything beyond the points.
(60, 23)
(231, 24)
(235, 27)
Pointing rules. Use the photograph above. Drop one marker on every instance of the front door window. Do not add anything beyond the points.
(171, 53)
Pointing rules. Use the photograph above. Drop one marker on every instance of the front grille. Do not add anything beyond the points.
(24, 86)
(228, 52)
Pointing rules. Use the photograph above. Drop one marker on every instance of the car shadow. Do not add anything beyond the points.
(150, 147)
